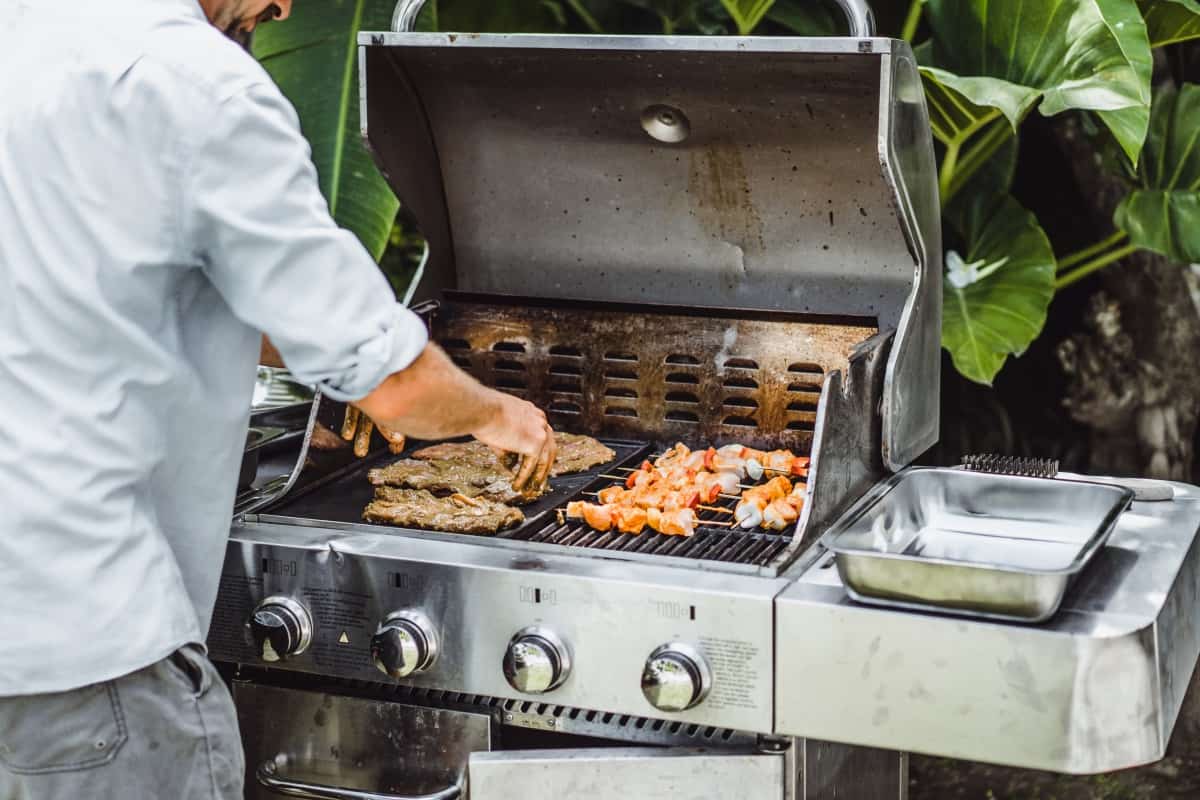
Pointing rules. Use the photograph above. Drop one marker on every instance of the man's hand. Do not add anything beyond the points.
(518, 426)
(434, 399)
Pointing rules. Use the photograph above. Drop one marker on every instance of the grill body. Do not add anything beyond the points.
(700, 240)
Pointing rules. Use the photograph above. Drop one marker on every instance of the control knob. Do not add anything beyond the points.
(404, 644)
(676, 677)
(281, 628)
(537, 661)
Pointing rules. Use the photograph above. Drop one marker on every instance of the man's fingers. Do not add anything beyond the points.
(362, 440)
(396, 440)
(350, 423)
(546, 459)
(525, 473)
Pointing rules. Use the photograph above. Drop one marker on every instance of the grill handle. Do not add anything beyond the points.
(858, 13)
(269, 778)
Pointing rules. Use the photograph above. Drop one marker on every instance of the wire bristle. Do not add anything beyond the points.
(1011, 465)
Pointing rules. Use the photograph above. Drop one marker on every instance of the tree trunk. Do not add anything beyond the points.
(1132, 370)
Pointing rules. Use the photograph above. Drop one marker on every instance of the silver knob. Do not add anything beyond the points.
(281, 628)
(537, 661)
(404, 644)
(676, 677)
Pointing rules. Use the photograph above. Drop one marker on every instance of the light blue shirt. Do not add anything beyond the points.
(158, 208)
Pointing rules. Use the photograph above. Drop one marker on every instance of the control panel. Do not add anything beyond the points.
(693, 647)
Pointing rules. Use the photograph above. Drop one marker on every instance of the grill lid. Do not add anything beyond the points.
(778, 174)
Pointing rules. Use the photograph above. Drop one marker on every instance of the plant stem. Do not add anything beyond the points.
(946, 173)
(592, 24)
(1079, 256)
(977, 155)
(1087, 268)
(912, 20)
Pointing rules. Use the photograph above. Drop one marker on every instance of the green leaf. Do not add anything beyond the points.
(996, 173)
(1164, 215)
(1008, 54)
(314, 59)
(958, 107)
(747, 13)
(493, 16)
(1171, 21)
(806, 18)
(1002, 310)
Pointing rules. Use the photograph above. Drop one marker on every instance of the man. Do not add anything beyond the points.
(158, 209)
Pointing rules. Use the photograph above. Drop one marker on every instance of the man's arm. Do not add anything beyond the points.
(434, 399)
(263, 233)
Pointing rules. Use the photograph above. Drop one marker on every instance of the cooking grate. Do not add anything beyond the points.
(710, 542)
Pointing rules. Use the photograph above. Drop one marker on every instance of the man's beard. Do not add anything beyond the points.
(236, 32)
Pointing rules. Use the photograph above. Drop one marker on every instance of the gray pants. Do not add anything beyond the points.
(167, 731)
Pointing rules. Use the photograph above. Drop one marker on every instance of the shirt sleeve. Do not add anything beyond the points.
(264, 235)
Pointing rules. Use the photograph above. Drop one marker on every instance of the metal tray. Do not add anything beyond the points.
(982, 545)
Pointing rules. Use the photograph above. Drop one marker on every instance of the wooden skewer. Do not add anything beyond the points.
(717, 509)
(623, 477)
(726, 496)
(796, 478)
(562, 520)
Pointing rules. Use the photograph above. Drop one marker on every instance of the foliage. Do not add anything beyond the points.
(314, 59)
(995, 296)
(1163, 215)
(1171, 21)
(1008, 55)
(986, 64)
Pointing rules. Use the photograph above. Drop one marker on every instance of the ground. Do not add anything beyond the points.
(1174, 778)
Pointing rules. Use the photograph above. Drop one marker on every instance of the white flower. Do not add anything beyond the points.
(961, 274)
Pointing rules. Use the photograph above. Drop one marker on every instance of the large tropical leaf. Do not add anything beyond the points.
(1164, 215)
(747, 13)
(675, 16)
(806, 18)
(1171, 21)
(314, 59)
(495, 16)
(996, 293)
(1010, 54)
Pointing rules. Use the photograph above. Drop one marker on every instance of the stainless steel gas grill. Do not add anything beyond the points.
(657, 240)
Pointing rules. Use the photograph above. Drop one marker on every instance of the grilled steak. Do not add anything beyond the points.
(472, 479)
(578, 453)
(416, 508)
(575, 453)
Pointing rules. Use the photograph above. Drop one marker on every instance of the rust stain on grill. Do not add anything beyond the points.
(654, 375)
(719, 194)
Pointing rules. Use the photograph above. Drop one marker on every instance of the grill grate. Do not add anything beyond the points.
(710, 542)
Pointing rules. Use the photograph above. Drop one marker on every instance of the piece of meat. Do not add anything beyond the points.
(473, 450)
(472, 480)
(576, 453)
(325, 439)
(415, 508)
